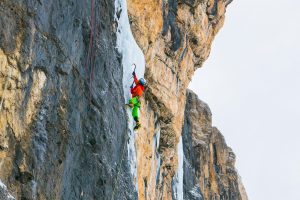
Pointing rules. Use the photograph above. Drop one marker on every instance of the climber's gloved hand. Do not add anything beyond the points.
(133, 73)
(131, 86)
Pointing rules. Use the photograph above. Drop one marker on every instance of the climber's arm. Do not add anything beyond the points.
(136, 80)
(131, 90)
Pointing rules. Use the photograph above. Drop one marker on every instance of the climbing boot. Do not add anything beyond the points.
(129, 105)
(137, 125)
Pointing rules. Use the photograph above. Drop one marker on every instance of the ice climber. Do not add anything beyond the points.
(134, 102)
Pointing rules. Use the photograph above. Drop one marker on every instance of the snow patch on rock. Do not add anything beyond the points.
(4, 195)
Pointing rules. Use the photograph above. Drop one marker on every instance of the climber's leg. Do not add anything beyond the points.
(135, 113)
(137, 126)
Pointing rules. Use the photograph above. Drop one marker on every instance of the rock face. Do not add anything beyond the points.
(61, 96)
(63, 125)
(4, 194)
(209, 171)
(176, 37)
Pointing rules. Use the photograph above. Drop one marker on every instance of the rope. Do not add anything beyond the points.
(90, 47)
(91, 52)
(93, 63)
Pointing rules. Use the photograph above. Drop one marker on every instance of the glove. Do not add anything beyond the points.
(131, 86)
(133, 73)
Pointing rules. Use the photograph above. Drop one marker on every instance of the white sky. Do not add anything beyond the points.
(252, 84)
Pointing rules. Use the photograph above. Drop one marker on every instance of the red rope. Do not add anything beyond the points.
(92, 45)
(93, 59)
(90, 55)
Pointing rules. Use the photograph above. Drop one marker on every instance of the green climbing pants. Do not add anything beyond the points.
(136, 105)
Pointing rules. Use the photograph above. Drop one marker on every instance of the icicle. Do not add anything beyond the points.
(178, 179)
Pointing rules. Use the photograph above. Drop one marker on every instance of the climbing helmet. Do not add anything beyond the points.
(142, 81)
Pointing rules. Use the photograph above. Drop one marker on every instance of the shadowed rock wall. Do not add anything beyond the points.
(62, 122)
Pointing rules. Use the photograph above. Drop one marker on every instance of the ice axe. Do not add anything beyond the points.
(132, 76)
(134, 66)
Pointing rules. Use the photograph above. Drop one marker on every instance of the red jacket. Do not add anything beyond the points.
(138, 89)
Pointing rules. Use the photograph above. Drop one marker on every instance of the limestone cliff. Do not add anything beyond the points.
(176, 38)
(64, 130)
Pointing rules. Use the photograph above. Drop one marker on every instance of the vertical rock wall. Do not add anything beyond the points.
(62, 122)
(176, 37)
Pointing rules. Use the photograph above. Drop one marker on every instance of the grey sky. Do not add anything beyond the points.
(252, 84)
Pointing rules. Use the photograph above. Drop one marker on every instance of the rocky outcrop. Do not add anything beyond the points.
(61, 96)
(209, 171)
